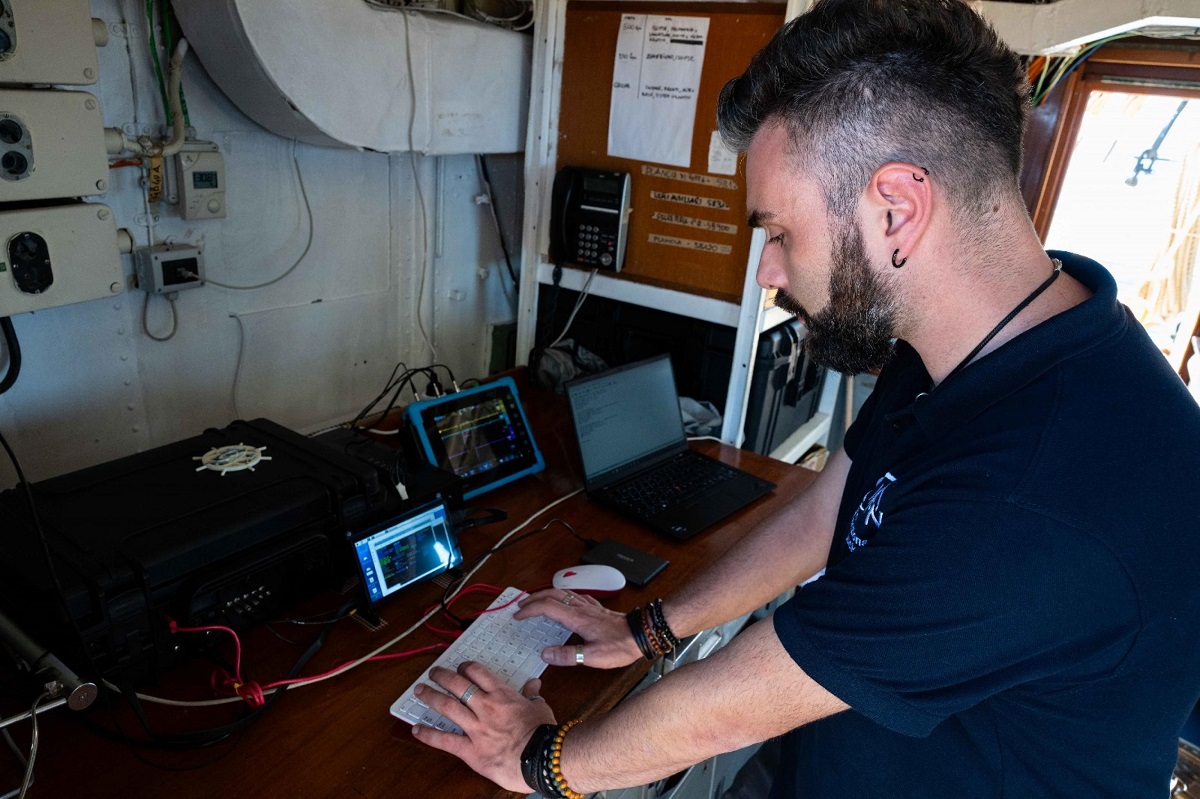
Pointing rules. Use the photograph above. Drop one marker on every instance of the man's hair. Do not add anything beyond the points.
(859, 83)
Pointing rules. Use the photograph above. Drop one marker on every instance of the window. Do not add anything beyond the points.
(1119, 179)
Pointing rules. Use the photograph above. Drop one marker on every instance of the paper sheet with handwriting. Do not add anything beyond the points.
(656, 77)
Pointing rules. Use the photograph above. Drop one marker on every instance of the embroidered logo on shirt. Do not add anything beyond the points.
(868, 514)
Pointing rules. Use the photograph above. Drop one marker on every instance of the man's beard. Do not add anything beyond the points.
(853, 334)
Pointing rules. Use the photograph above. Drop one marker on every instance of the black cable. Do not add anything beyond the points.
(487, 179)
(40, 531)
(202, 738)
(14, 355)
(456, 583)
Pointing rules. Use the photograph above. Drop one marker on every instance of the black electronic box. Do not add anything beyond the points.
(229, 527)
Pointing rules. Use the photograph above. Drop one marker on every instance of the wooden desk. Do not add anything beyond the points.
(335, 738)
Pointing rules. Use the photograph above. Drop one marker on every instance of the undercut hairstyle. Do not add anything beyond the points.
(860, 83)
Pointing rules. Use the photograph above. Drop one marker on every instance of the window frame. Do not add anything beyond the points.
(1135, 66)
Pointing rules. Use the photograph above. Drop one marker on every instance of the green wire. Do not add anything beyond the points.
(162, 86)
(1067, 63)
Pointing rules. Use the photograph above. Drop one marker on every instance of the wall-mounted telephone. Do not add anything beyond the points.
(589, 217)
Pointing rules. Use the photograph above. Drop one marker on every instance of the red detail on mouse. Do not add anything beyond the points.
(570, 574)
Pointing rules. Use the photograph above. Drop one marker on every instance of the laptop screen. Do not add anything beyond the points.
(625, 414)
(405, 550)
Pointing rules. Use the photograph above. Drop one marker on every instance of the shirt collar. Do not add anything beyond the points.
(1023, 359)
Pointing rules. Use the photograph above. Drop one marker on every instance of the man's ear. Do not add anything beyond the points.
(899, 205)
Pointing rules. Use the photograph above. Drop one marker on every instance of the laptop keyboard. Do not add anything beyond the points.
(670, 484)
(510, 648)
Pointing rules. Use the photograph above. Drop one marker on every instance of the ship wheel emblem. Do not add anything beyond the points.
(233, 458)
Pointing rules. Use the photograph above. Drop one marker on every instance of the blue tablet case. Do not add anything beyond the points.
(479, 434)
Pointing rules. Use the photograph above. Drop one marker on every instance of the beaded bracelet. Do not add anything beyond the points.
(541, 762)
(560, 782)
(650, 630)
(660, 623)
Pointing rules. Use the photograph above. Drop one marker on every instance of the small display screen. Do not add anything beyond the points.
(602, 185)
(480, 435)
(204, 180)
(413, 548)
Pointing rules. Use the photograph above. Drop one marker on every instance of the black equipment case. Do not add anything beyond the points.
(784, 390)
(158, 535)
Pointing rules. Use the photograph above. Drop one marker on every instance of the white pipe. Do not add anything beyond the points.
(178, 130)
(115, 140)
(1053, 27)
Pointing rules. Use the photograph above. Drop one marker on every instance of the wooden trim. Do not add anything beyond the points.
(1149, 64)
(1147, 57)
(1070, 118)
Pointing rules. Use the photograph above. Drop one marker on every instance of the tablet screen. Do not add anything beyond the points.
(479, 434)
(406, 550)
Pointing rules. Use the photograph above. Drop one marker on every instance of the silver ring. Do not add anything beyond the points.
(536, 697)
(566, 600)
(467, 694)
(578, 654)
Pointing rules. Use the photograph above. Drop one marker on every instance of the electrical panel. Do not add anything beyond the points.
(57, 256)
(51, 145)
(49, 42)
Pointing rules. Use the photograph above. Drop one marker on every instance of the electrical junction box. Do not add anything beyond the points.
(49, 41)
(169, 268)
(200, 170)
(51, 146)
(57, 256)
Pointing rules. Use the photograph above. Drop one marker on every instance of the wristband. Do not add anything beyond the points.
(634, 619)
(535, 764)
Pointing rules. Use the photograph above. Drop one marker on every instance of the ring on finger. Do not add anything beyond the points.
(566, 600)
(537, 697)
(579, 654)
(467, 694)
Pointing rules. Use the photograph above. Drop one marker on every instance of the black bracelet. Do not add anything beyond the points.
(535, 762)
(634, 619)
(661, 627)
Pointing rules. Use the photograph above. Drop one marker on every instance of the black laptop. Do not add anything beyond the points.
(636, 458)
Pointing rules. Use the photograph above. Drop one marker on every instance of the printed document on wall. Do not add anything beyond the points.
(656, 78)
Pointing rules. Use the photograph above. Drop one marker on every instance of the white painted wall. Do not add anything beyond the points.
(318, 344)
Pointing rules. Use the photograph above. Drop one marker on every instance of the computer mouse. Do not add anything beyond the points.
(591, 579)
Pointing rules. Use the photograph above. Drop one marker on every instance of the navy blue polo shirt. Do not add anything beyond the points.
(1012, 601)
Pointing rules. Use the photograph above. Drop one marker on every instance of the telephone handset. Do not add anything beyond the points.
(589, 217)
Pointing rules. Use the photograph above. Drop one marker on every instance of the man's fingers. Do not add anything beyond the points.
(448, 706)
(559, 655)
(456, 745)
(554, 610)
(532, 688)
(454, 682)
(482, 676)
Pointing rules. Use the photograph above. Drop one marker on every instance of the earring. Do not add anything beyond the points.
(902, 261)
(920, 179)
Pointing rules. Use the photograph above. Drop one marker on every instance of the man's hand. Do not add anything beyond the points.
(607, 642)
(497, 721)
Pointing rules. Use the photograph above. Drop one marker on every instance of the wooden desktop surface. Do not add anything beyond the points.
(336, 738)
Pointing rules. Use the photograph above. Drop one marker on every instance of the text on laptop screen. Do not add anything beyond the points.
(411, 550)
(626, 415)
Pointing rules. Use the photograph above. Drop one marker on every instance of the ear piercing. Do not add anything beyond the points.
(902, 261)
(918, 178)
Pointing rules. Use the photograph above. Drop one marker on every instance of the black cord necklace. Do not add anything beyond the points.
(1011, 315)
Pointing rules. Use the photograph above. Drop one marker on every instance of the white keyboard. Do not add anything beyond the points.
(510, 648)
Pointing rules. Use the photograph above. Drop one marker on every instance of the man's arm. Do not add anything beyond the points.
(747, 692)
(790, 547)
